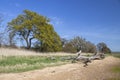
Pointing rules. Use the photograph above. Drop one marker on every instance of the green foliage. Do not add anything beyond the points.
(26, 25)
(31, 25)
(49, 40)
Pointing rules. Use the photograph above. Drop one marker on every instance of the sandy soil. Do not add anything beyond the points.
(97, 70)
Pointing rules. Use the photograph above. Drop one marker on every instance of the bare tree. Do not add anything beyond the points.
(78, 43)
(103, 48)
(81, 44)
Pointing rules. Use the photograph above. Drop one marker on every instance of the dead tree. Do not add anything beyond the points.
(86, 60)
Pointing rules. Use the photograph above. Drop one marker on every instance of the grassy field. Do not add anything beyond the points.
(25, 63)
(17, 60)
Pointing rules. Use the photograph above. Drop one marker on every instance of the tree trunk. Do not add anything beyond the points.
(28, 44)
(28, 41)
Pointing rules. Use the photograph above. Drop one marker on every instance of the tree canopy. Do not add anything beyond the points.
(31, 25)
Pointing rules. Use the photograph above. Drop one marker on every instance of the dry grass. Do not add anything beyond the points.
(22, 52)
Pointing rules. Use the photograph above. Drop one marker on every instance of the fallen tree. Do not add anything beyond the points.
(83, 58)
(86, 59)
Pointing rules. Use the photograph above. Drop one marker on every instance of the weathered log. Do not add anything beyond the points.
(87, 60)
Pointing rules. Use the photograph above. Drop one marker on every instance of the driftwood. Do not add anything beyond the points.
(86, 60)
(83, 58)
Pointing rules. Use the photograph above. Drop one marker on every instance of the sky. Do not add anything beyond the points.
(95, 20)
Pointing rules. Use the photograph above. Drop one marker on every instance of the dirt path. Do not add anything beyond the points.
(97, 70)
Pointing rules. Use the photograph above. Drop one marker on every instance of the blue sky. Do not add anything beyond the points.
(95, 20)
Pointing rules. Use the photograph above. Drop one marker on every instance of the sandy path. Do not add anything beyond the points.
(97, 70)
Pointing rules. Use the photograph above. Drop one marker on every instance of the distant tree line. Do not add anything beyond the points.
(36, 32)
(79, 43)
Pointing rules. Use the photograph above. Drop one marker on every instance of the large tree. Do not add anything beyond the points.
(31, 25)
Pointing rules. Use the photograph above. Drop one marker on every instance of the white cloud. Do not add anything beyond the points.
(66, 36)
(56, 21)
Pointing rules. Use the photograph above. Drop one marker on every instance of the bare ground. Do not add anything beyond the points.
(97, 70)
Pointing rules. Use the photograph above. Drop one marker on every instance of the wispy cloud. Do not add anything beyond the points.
(65, 36)
(56, 21)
